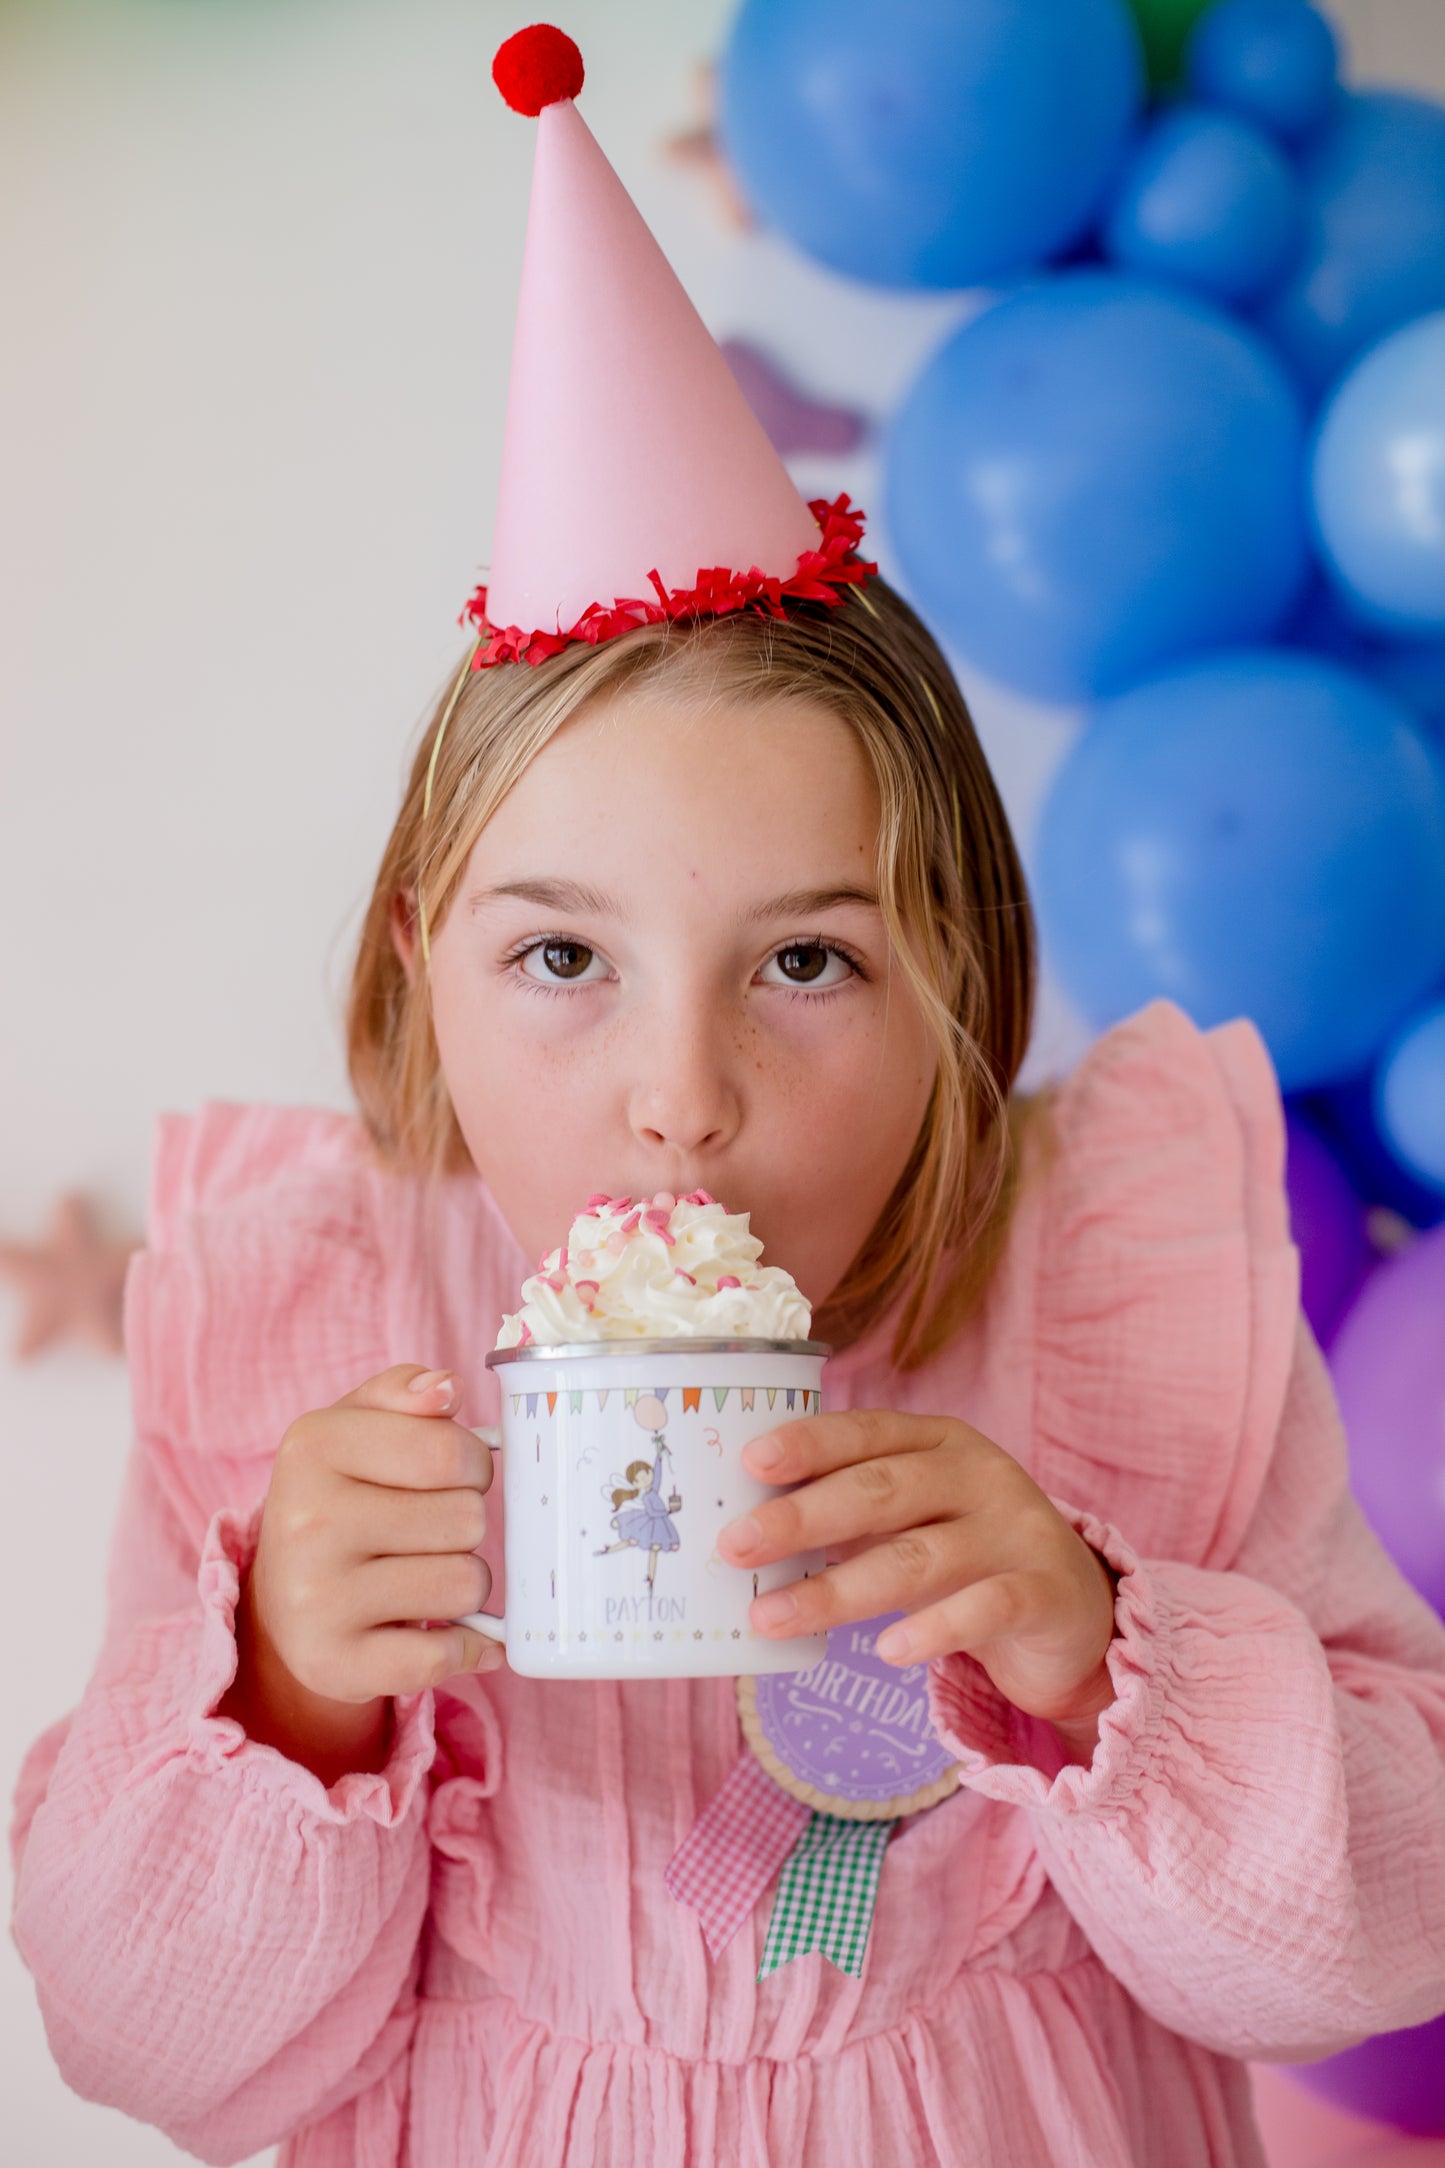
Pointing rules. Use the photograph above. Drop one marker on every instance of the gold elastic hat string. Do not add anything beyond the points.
(431, 768)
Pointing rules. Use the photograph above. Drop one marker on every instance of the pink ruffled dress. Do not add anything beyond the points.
(470, 1960)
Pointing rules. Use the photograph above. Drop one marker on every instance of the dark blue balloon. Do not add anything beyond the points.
(1258, 835)
(1210, 202)
(1093, 479)
(928, 143)
(1275, 61)
(1410, 672)
(1344, 1115)
(1374, 254)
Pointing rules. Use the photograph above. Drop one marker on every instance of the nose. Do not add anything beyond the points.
(684, 1099)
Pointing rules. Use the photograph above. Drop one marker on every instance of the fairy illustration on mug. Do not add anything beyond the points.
(641, 1516)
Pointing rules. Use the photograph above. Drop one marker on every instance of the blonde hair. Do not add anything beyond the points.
(950, 882)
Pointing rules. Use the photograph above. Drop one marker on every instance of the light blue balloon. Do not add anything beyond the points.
(1259, 835)
(1379, 481)
(1093, 479)
(1275, 61)
(1374, 253)
(1409, 1098)
(928, 143)
(1208, 201)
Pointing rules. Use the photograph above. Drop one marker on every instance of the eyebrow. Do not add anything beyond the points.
(557, 895)
(803, 902)
(550, 895)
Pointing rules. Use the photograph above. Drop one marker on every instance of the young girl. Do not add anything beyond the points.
(727, 899)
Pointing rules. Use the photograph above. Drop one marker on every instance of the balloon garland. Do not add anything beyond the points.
(1187, 467)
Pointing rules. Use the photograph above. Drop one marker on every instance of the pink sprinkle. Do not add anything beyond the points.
(630, 1222)
(556, 1281)
(526, 1336)
(620, 1204)
(616, 1243)
(587, 1287)
(700, 1196)
(665, 1234)
(599, 1196)
(684, 1276)
(663, 1201)
(729, 1280)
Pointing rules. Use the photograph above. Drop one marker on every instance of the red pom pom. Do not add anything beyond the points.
(536, 68)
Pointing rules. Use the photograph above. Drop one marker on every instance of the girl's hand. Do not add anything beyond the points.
(370, 1525)
(928, 1516)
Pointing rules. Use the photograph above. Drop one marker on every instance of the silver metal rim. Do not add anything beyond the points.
(609, 1350)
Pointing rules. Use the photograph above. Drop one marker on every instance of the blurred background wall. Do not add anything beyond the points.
(258, 263)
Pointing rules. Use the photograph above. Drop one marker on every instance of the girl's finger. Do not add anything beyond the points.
(417, 1521)
(390, 1591)
(993, 1609)
(401, 1452)
(901, 1573)
(869, 1499)
(406, 1659)
(813, 1444)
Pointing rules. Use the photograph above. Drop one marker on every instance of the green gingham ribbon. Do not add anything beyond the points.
(826, 1892)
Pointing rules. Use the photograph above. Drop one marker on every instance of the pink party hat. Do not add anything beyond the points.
(631, 459)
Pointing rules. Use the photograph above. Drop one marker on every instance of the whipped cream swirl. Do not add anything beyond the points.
(658, 1268)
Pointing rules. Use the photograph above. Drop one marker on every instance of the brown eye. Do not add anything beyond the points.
(814, 964)
(567, 959)
(561, 961)
(803, 962)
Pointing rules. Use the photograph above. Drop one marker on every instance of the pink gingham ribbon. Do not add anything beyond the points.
(734, 1850)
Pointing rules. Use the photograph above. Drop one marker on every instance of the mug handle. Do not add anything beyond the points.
(491, 1623)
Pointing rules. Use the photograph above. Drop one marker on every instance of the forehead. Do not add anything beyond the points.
(654, 772)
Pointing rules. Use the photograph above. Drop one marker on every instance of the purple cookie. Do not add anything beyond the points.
(851, 1735)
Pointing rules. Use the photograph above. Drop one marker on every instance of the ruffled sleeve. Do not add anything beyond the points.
(221, 1944)
(260, 1293)
(1256, 1847)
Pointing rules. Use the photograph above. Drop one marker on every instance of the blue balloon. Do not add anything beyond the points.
(1411, 672)
(1344, 1115)
(1409, 1097)
(928, 143)
(1414, 674)
(1275, 61)
(1374, 254)
(1093, 479)
(1257, 835)
(1209, 201)
(1379, 481)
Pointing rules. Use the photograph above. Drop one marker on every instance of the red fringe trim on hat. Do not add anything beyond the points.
(819, 575)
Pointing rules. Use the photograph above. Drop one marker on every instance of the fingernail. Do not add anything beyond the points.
(777, 1605)
(744, 1535)
(766, 1452)
(430, 1380)
(894, 1643)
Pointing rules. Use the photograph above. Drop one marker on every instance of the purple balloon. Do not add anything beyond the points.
(1327, 1221)
(1397, 2078)
(1388, 1362)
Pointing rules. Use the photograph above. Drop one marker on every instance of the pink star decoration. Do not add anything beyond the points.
(71, 1284)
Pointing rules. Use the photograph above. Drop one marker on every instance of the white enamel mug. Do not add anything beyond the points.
(621, 1464)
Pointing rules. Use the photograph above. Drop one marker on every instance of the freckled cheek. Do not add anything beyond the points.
(517, 1080)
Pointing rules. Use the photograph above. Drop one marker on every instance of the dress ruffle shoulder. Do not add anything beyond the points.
(1153, 1239)
(260, 1293)
(1166, 1283)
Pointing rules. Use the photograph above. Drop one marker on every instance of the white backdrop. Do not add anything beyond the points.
(258, 264)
